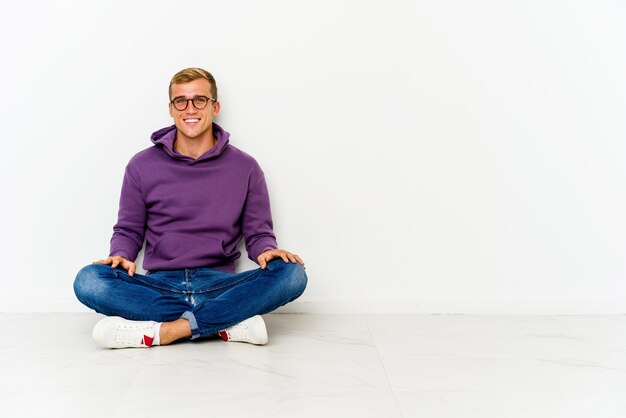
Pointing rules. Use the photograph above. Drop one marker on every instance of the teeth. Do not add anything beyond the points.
(192, 120)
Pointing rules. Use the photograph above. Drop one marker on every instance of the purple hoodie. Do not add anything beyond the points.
(192, 212)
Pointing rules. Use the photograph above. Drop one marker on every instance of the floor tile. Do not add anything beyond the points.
(455, 353)
(486, 404)
(275, 404)
(320, 353)
(324, 365)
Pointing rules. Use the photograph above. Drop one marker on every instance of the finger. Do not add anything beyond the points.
(284, 257)
(292, 257)
(115, 263)
(300, 261)
(125, 263)
(131, 269)
(261, 260)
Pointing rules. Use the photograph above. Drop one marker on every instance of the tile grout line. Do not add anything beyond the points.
(380, 359)
(127, 389)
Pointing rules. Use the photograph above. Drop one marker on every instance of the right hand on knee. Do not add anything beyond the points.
(116, 260)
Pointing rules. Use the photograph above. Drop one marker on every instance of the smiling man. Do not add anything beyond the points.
(192, 196)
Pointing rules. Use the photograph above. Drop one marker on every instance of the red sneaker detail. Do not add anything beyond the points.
(224, 335)
(147, 341)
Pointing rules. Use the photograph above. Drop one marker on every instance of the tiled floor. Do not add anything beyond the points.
(324, 366)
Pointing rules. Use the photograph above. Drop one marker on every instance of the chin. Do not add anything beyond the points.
(189, 133)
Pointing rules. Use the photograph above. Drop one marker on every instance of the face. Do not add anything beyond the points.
(194, 123)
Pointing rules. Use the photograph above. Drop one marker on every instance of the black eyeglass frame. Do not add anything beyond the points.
(193, 102)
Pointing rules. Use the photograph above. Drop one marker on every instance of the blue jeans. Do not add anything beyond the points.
(211, 300)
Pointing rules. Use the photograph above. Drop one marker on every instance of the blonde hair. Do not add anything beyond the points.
(190, 74)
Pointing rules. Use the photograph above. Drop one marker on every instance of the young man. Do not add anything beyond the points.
(192, 196)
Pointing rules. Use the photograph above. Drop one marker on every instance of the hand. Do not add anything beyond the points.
(268, 255)
(116, 260)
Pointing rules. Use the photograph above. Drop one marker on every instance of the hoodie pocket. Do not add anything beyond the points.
(189, 250)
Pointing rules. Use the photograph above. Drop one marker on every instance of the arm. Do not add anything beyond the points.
(256, 218)
(129, 231)
(257, 226)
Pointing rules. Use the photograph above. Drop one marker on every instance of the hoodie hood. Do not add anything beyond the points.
(165, 138)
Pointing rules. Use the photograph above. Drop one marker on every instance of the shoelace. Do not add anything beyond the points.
(239, 331)
(131, 334)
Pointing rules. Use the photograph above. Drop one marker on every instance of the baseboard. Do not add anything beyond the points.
(463, 307)
(385, 306)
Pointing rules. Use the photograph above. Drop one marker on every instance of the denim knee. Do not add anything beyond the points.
(294, 277)
(89, 282)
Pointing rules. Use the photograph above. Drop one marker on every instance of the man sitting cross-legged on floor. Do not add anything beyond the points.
(193, 197)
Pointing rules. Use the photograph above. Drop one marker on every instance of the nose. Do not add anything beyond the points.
(190, 107)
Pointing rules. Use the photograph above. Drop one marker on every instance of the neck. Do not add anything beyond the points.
(194, 147)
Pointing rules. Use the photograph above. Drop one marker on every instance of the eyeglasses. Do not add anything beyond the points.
(199, 102)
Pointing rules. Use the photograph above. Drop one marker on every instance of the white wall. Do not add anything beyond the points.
(422, 156)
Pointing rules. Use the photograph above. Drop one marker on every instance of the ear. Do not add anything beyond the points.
(216, 108)
(171, 110)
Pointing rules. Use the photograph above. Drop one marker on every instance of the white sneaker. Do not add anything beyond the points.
(116, 332)
(252, 331)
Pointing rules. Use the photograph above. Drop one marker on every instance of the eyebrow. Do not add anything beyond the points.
(191, 98)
